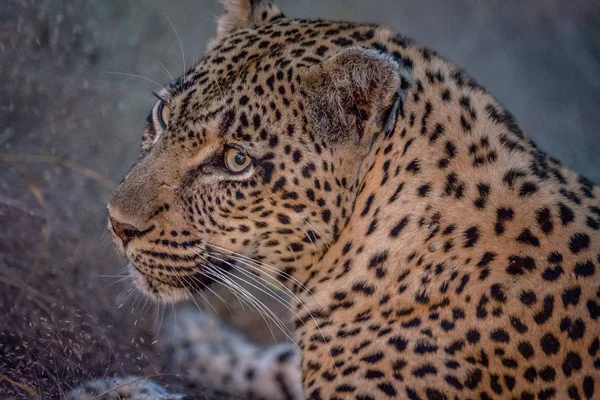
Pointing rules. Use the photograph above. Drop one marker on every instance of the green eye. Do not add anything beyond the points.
(236, 161)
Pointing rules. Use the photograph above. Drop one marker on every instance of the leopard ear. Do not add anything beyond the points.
(240, 14)
(355, 95)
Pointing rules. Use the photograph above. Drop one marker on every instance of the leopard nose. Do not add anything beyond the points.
(124, 231)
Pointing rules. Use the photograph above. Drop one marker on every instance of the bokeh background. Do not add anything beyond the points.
(75, 88)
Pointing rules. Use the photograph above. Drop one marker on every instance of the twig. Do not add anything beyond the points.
(61, 161)
(32, 392)
(36, 191)
(36, 297)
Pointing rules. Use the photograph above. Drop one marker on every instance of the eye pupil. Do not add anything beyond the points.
(240, 159)
(236, 161)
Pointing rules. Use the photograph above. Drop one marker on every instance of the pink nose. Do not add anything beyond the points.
(124, 231)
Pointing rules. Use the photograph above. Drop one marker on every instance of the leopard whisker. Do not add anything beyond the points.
(232, 286)
(281, 324)
(289, 246)
(270, 293)
(162, 315)
(125, 294)
(134, 76)
(181, 280)
(301, 304)
(240, 300)
(263, 283)
(124, 275)
(327, 245)
(116, 279)
(265, 265)
(267, 284)
(314, 246)
(205, 298)
(285, 304)
(248, 262)
(178, 39)
(166, 70)
(133, 306)
(258, 304)
(157, 312)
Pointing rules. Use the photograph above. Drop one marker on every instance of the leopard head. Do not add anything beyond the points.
(251, 161)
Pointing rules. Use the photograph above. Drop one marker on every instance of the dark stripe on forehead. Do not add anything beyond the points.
(227, 121)
(184, 82)
(207, 116)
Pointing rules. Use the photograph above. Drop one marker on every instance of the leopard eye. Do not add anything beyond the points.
(236, 161)
(163, 113)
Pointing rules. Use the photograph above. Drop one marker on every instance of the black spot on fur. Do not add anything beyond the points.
(529, 238)
(579, 242)
(550, 344)
(472, 236)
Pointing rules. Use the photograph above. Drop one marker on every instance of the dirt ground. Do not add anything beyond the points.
(71, 113)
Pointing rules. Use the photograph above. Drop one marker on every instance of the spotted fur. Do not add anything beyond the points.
(435, 251)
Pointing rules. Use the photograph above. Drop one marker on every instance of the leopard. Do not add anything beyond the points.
(430, 249)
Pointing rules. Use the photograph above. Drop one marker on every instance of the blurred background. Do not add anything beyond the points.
(76, 81)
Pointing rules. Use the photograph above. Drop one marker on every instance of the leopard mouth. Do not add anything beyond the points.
(170, 283)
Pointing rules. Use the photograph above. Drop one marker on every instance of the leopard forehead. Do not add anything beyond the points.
(252, 79)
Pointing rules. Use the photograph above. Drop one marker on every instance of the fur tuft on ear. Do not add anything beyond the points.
(354, 92)
(241, 14)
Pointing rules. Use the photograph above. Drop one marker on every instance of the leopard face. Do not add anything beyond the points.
(251, 159)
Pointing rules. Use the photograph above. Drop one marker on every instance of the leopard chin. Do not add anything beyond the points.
(168, 284)
(157, 289)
